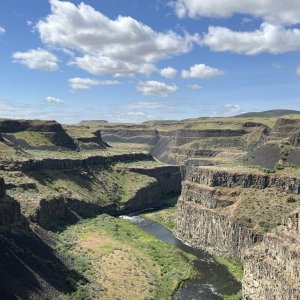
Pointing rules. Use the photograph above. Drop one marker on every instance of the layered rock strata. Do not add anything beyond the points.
(208, 214)
(272, 269)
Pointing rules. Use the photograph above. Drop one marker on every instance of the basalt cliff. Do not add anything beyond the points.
(238, 180)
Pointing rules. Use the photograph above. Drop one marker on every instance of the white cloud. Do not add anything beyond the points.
(79, 83)
(268, 38)
(2, 30)
(298, 71)
(231, 109)
(37, 59)
(194, 87)
(201, 71)
(168, 72)
(156, 88)
(54, 100)
(120, 47)
(274, 11)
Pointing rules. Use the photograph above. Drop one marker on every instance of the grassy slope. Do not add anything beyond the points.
(122, 261)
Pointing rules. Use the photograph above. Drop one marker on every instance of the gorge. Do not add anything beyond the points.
(62, 187)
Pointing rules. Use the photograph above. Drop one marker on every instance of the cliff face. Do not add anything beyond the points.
(214, 177)
(9, 209)
(272, 269)
(221, 211)
(53, 189)
(61, 164)
(168, 178)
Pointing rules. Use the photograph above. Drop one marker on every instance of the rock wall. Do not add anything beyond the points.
(214, 177)
(61, 164)
(204, 228)
(204, 217)
(168, 178)
(10, 213)
(272, 269)
(140, 136)
(150, 195)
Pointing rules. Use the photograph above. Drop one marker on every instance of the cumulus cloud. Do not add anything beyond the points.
(156, 88)
(298, 71)
(268, 38)
(54, 100)
(37, 59)
(2, 30)
(201, 71)
(168, 72)
(231, 109)
(79, 83)
(120, 47)
(273, 11)
(194, 87)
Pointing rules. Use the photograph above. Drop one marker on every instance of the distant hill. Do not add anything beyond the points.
(269, 113)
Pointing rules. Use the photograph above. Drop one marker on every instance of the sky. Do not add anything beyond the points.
(139, 60)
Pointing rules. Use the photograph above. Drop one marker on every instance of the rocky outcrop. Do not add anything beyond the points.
(218, 177)
(61, 164)
(10, 213)
(207, 229)
(184, 136)
(147, 197)
(206, 215)
(272, 269)
(139, 136)
(52, 130)
(168, 178)
(92, 143)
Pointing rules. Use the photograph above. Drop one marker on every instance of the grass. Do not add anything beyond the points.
(122, 261)
(262, 210)
(165, 217)
(33, 138)
(234, 266)
(95, 184)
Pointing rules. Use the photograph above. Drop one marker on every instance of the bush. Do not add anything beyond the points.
(291, 200)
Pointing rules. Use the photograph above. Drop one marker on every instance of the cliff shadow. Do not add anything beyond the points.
(30, 268)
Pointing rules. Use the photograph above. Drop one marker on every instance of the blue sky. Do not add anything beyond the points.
(130, 60)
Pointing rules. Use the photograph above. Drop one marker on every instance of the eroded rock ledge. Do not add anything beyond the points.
(272, 269)
(210, 211)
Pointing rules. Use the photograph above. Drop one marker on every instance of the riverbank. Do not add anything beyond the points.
(121, 261)
(166, 217)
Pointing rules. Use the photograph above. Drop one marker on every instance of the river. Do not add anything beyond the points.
(215, 280)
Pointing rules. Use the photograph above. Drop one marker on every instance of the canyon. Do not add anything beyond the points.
(238, 181)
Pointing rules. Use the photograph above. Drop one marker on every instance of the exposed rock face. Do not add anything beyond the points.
(272, 269)
(92, 143)
(146, 197)
(168, 178)
(51, 129)
(205, 228)
(139, 136)
(60, 164)
(9, 209)
(214, 177)
(50, 211)
(184, 136)
(203, 219)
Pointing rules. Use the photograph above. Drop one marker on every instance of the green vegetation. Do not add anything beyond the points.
(234, 266)
(33, 138)
(261, 210)
(121, 260)
(238, 296)
(165, 217)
